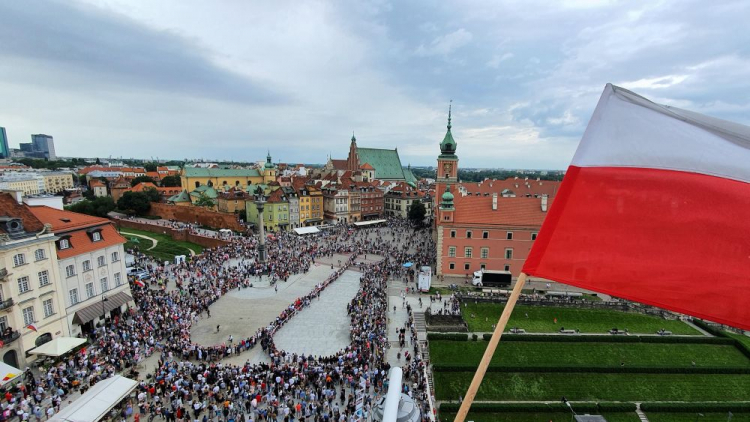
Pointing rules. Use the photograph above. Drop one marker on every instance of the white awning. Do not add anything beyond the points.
(58, 346)
(368, 223)
(98, 401)
(8, 373)
(306, 230)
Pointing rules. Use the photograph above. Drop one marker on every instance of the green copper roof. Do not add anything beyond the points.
(385, 161)
(202, 172)
(205, 190)
(180, 197)
(409, 177)
(448, 146)
(447, 202)
(269, 164)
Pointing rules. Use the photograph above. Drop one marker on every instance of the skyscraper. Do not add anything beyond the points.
(44, 144)
(4, 150)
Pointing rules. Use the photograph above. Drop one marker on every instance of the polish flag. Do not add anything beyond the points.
(32, 327)
(139, 283)
(654, 208)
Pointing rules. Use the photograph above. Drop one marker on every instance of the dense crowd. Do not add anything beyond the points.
(191, 383)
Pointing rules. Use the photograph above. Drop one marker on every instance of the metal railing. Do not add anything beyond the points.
(7, 303)
(13, 336)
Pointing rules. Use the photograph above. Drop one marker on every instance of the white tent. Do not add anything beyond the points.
(98, 401)
(306, 230)
(8, 373)
(58, 346)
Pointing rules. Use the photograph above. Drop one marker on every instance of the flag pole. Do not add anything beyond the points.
(482, 369)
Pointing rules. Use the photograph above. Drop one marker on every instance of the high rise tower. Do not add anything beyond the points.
(447, 163)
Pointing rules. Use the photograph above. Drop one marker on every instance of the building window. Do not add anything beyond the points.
(89, 290)
(39, 254)
(96, 236)
(100, 261)
(485, 253)
(467, 266)
(23, 284)
(48, 309)
(86, 265)
(3, 323)
(19, 259)
(115, 256)
(507, 267)
(533, 236)
(118, 280)
(452, 265)
(64, 244)
(509, 253)
(509, 236)
(452, 251)
(467, 252)
(105, 284)
(468, 234)
(485, 235)
(482, 266)
(453, 233)
(28, 315)
(43, 278)
(70, 271)
(73, 296)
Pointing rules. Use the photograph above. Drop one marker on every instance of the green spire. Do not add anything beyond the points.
(447, 199)
(448, 146)
(269, 164)
(353, 138)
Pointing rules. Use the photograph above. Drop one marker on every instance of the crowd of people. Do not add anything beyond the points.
(190, 382)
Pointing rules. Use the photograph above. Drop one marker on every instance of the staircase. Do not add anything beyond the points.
(641, 415)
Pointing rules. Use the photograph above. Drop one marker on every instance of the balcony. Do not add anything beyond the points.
(3, 273)
(9, 336)
(6, 304)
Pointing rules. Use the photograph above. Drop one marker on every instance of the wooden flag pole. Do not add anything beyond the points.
(482, 369)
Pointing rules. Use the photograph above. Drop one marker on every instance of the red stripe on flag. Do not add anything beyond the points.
(671, 239)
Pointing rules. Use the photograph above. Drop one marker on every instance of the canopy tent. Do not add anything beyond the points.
(100, 308)
(98, 401)
(306, 230)
(369, 223)
(58, 346)
(8, 373)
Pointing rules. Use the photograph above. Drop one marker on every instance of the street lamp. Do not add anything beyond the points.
(104, 312)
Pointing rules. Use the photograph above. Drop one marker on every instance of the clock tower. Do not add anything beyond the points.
(447, 163)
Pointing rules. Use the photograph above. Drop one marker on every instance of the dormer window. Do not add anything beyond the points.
(64, 244)
(96, 236)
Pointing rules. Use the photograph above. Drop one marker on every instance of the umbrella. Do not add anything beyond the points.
(408, 264)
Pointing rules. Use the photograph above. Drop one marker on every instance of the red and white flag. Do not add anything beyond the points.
(139, 283)
(655, 208)
(32, 327)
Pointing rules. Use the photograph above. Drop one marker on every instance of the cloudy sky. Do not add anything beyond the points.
(229, 80)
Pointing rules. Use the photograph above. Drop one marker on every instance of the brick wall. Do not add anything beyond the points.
(202, 216)
(176, 234)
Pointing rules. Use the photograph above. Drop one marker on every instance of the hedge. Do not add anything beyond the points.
(616, 407)
(447, 336)
(696, 407)
(613, 339)
(599, 369)
(710, 328)
(520, 407)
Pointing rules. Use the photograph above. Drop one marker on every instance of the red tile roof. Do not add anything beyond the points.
(339, 164)
(62, 221)
(81, 243)
(9, 207)
(519, 186)
(519, 211)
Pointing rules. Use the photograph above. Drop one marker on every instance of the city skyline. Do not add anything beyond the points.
(188, 81)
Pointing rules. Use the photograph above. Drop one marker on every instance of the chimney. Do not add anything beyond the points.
(494, 202)
(544, 203)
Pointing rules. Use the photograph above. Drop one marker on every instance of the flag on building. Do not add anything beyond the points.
(654, 208)
(32, 327)
(139, 283)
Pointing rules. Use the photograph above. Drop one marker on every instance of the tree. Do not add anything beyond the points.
(98, 207)
(152, 194)
(204, 201)
(134, 203)
(417, 212)
(140, 179)
(150, 166)
(98, 161)
(171, 181)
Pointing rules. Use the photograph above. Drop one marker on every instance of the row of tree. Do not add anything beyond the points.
(131, 203)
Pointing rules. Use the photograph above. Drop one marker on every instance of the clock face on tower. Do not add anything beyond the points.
(447, 167)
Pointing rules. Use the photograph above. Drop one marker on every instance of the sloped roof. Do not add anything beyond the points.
(217, 172)
(205, 190)
(140, 187)
(65, 220)
(519, 186)
(180, 197)
(386, 162)
(521, 212)
(9, 207)
(339, 164)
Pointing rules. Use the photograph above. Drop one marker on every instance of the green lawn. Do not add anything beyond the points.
(142, 244)
(741, 337)
(541, 319)
(696, 417)
(592, 386)
(166, 249)
(536, 417)
(522, 353)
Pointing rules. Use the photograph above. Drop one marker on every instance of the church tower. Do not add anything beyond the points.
(352, 162)
(269, 170)
(447, 163)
